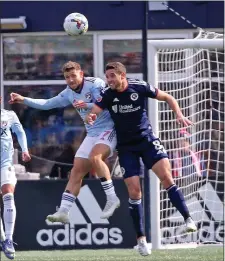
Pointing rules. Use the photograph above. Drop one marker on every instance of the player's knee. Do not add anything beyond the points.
(134, 192)
(7, 188)
(167, 179)
(95, 160)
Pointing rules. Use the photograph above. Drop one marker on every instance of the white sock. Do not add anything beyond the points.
(2, 232)
(108, 188)
(67, 202)
(9, 214)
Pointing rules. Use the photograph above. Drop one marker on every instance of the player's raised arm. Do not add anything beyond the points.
(163, 96)
(42, 104)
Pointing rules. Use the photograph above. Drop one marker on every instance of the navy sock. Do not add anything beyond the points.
(136, 212)
(177, 199)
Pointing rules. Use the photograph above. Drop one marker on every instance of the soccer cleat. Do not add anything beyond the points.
(59, 216)
(190, 225)
(143, 247)
(8, 248)
(110, 207)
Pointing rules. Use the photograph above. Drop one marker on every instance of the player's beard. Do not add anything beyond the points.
(75, 86)
(112, 86)
(116, 86)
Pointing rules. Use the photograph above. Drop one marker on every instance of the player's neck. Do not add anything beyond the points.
(124, 86)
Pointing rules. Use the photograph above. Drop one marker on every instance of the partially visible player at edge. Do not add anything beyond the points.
(10, 121)
(97, 146)
(125, 100)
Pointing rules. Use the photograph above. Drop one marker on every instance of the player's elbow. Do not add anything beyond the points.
(168, 98)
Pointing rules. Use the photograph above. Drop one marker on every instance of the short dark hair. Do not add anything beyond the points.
(70, 65)
(117, 66)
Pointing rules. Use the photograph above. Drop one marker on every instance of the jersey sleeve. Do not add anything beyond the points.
(97, 89)
(17, 128)
(104, 101)
(149, 90)
(61, 100)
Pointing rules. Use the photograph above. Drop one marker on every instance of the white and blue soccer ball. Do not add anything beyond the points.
(75, 24)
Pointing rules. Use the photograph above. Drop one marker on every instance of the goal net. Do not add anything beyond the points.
(193, 73)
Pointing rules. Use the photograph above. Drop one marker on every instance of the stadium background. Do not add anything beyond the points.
(31, 65)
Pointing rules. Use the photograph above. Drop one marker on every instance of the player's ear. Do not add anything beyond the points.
(81, 73)
(123, 75)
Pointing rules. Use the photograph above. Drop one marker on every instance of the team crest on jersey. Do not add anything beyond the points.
(88, 96)
(134, 96)
(122, 170)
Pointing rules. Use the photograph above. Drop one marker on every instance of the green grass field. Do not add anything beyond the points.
(208, 253)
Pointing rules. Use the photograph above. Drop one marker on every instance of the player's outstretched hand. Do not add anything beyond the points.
(90, 118)
(15, 98)
(184, 121)
(26, 156)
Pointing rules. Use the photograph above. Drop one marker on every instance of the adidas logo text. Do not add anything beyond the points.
(81, 231)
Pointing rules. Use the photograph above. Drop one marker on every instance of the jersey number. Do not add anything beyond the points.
(158, 146)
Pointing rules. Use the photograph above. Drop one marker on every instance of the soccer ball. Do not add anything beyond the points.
(75, 24)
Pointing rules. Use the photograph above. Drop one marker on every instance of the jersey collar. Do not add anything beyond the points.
(79, 88)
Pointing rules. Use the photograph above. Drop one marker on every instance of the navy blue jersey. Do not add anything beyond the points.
(128, 111)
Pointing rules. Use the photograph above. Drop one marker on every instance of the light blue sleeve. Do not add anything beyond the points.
(17, 128)
(61, 100)
(96, 90)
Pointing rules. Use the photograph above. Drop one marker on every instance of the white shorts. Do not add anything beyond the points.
(107, 137)
(8, 176)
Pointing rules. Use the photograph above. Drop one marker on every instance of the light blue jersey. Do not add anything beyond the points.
(90, 93)
(9, 120)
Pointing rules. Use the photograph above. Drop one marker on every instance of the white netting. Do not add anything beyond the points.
(195, 77)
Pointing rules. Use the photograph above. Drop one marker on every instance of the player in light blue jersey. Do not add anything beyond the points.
(98, 145)
(10, 122)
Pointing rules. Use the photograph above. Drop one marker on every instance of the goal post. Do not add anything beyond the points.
(184, 68)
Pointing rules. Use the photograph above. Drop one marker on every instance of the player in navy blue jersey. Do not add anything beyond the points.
(126, 101)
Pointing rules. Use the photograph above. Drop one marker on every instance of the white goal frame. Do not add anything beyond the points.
(153, 46)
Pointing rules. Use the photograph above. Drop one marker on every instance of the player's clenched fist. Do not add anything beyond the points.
(26, 156)
(80, 104)
(15, 98)
(90, 118)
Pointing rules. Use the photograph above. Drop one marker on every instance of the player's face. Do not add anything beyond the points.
(74, 78)
(114, 79)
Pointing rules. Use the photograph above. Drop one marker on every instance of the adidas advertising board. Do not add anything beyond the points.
(86, 229)
(81, 230)
(206, 204)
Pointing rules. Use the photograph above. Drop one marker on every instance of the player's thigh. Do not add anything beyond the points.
(8, 178)
(100, 150)
(85, 147)
(105, 144)
(153, 153)
(129, 163)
